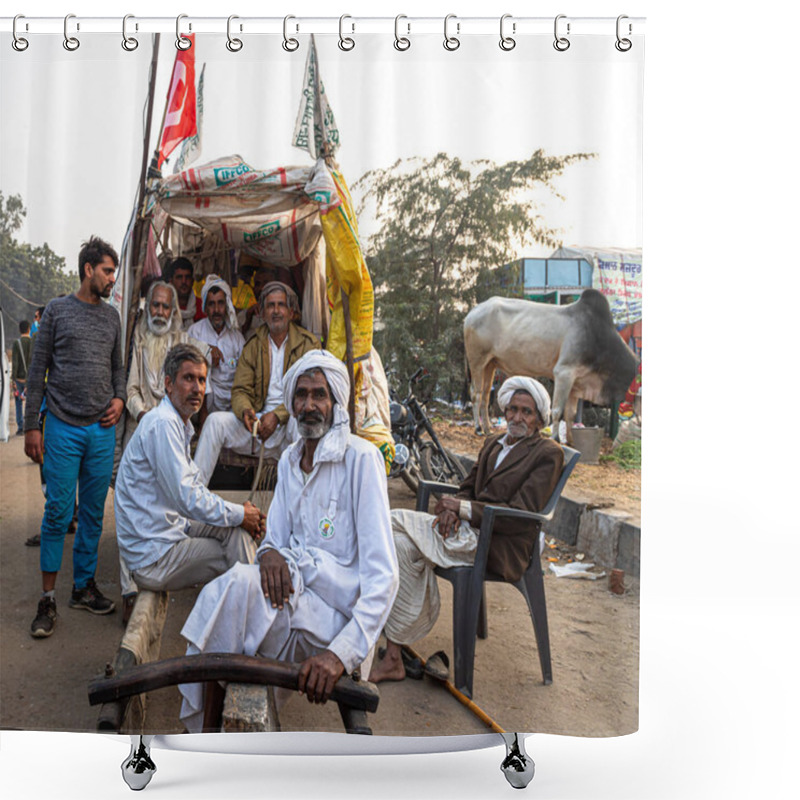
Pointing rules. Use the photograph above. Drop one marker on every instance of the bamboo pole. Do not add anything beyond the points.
(462, 698)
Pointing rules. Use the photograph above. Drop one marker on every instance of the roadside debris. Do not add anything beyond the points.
(576, 570)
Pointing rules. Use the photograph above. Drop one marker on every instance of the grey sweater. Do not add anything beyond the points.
(79, 352)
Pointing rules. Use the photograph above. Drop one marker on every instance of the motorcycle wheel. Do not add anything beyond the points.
(435, 468)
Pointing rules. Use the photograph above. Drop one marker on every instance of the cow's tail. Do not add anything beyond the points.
(467, 394)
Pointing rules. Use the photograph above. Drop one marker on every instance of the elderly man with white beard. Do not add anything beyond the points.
(326, 571)
(220, 331)
(158, 333)
(517, 469)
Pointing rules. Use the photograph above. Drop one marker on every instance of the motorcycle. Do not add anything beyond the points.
(418, 451)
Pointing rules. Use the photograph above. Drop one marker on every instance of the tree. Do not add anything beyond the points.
(443, 225)
(29, 276)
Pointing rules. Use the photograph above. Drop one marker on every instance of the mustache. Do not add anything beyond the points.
(311, 416)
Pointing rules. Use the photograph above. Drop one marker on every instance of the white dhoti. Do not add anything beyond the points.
(420, 549)
(223, 429)
(232, 615)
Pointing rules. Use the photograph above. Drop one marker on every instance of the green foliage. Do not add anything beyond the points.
(628, 455)
(443, 224)
(34, 273)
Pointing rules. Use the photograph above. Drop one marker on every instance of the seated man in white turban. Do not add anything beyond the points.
(517, 469)
(257, 393)
(220, 331)
(326, 572)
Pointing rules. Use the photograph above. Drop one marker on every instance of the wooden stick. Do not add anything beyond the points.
(223, 667)
(462, 698)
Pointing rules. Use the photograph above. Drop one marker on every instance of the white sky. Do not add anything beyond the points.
(72, 122)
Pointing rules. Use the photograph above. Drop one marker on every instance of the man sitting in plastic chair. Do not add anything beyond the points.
(520, 469)
(326, 572)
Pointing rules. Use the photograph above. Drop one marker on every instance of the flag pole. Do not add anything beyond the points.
(348, 325)
(142, 199)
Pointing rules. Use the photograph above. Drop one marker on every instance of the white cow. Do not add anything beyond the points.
(576, 345)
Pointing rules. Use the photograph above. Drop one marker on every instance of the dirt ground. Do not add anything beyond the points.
(594, 637)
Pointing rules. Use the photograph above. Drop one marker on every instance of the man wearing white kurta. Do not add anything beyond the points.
(172, 531)
(257, 393)
(220, 331)
(327, 571)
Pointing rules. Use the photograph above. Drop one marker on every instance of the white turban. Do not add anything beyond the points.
(520, 383)
(335, 373)
(215, 282)
(334, 443)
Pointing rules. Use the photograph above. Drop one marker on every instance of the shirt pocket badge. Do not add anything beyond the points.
(326, 529)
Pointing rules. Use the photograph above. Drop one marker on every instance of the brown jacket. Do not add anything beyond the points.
(251, 381)
(524, 480)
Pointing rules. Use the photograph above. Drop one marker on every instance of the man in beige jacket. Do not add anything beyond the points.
(257, 393)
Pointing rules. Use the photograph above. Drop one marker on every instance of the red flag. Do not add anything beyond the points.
(180, 120)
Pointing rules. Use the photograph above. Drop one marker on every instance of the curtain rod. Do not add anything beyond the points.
(405, 25)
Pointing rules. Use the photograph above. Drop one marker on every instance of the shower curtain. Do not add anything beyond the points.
(475, 170)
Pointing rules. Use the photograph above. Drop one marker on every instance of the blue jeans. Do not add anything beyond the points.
(18, 404)
(82, 458)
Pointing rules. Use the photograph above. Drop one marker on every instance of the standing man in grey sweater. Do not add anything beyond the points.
(78, 351)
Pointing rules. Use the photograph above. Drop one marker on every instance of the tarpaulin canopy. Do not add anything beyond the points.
(266, 214)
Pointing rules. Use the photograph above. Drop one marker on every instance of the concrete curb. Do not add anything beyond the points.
(609, 537)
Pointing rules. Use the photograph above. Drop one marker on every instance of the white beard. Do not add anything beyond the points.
(155, 346)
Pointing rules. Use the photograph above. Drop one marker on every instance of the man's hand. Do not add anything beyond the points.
(140, 415)
(112, 414)
(267, 425)
(446, 523)
(254, 521)
(448, 503)
(248, 418)
(34, 448)
(318, 676)
(276, 582)
(216, 355)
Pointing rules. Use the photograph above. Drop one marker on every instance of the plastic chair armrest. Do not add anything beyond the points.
(427, 487)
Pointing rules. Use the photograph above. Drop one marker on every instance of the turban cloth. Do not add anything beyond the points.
(215, 282)
(520, 383)
(335, 373)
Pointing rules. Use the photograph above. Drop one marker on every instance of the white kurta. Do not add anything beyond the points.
(334, 531)
(230, 343)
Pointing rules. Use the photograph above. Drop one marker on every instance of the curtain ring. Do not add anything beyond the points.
(345, 42)
(19, 43)
(623, 45)
(181, 42)
(451, 42)
(290, 45)
(233, 44)
(401, 42)
(561, 43)
(506, 42)
(129, 43)
(70, 42)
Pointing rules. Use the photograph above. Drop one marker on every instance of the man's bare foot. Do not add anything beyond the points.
(390, 667)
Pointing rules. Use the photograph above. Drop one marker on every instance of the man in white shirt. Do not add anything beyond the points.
(172, 531)
(257, 392)
(327, 572)
(220, 331)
